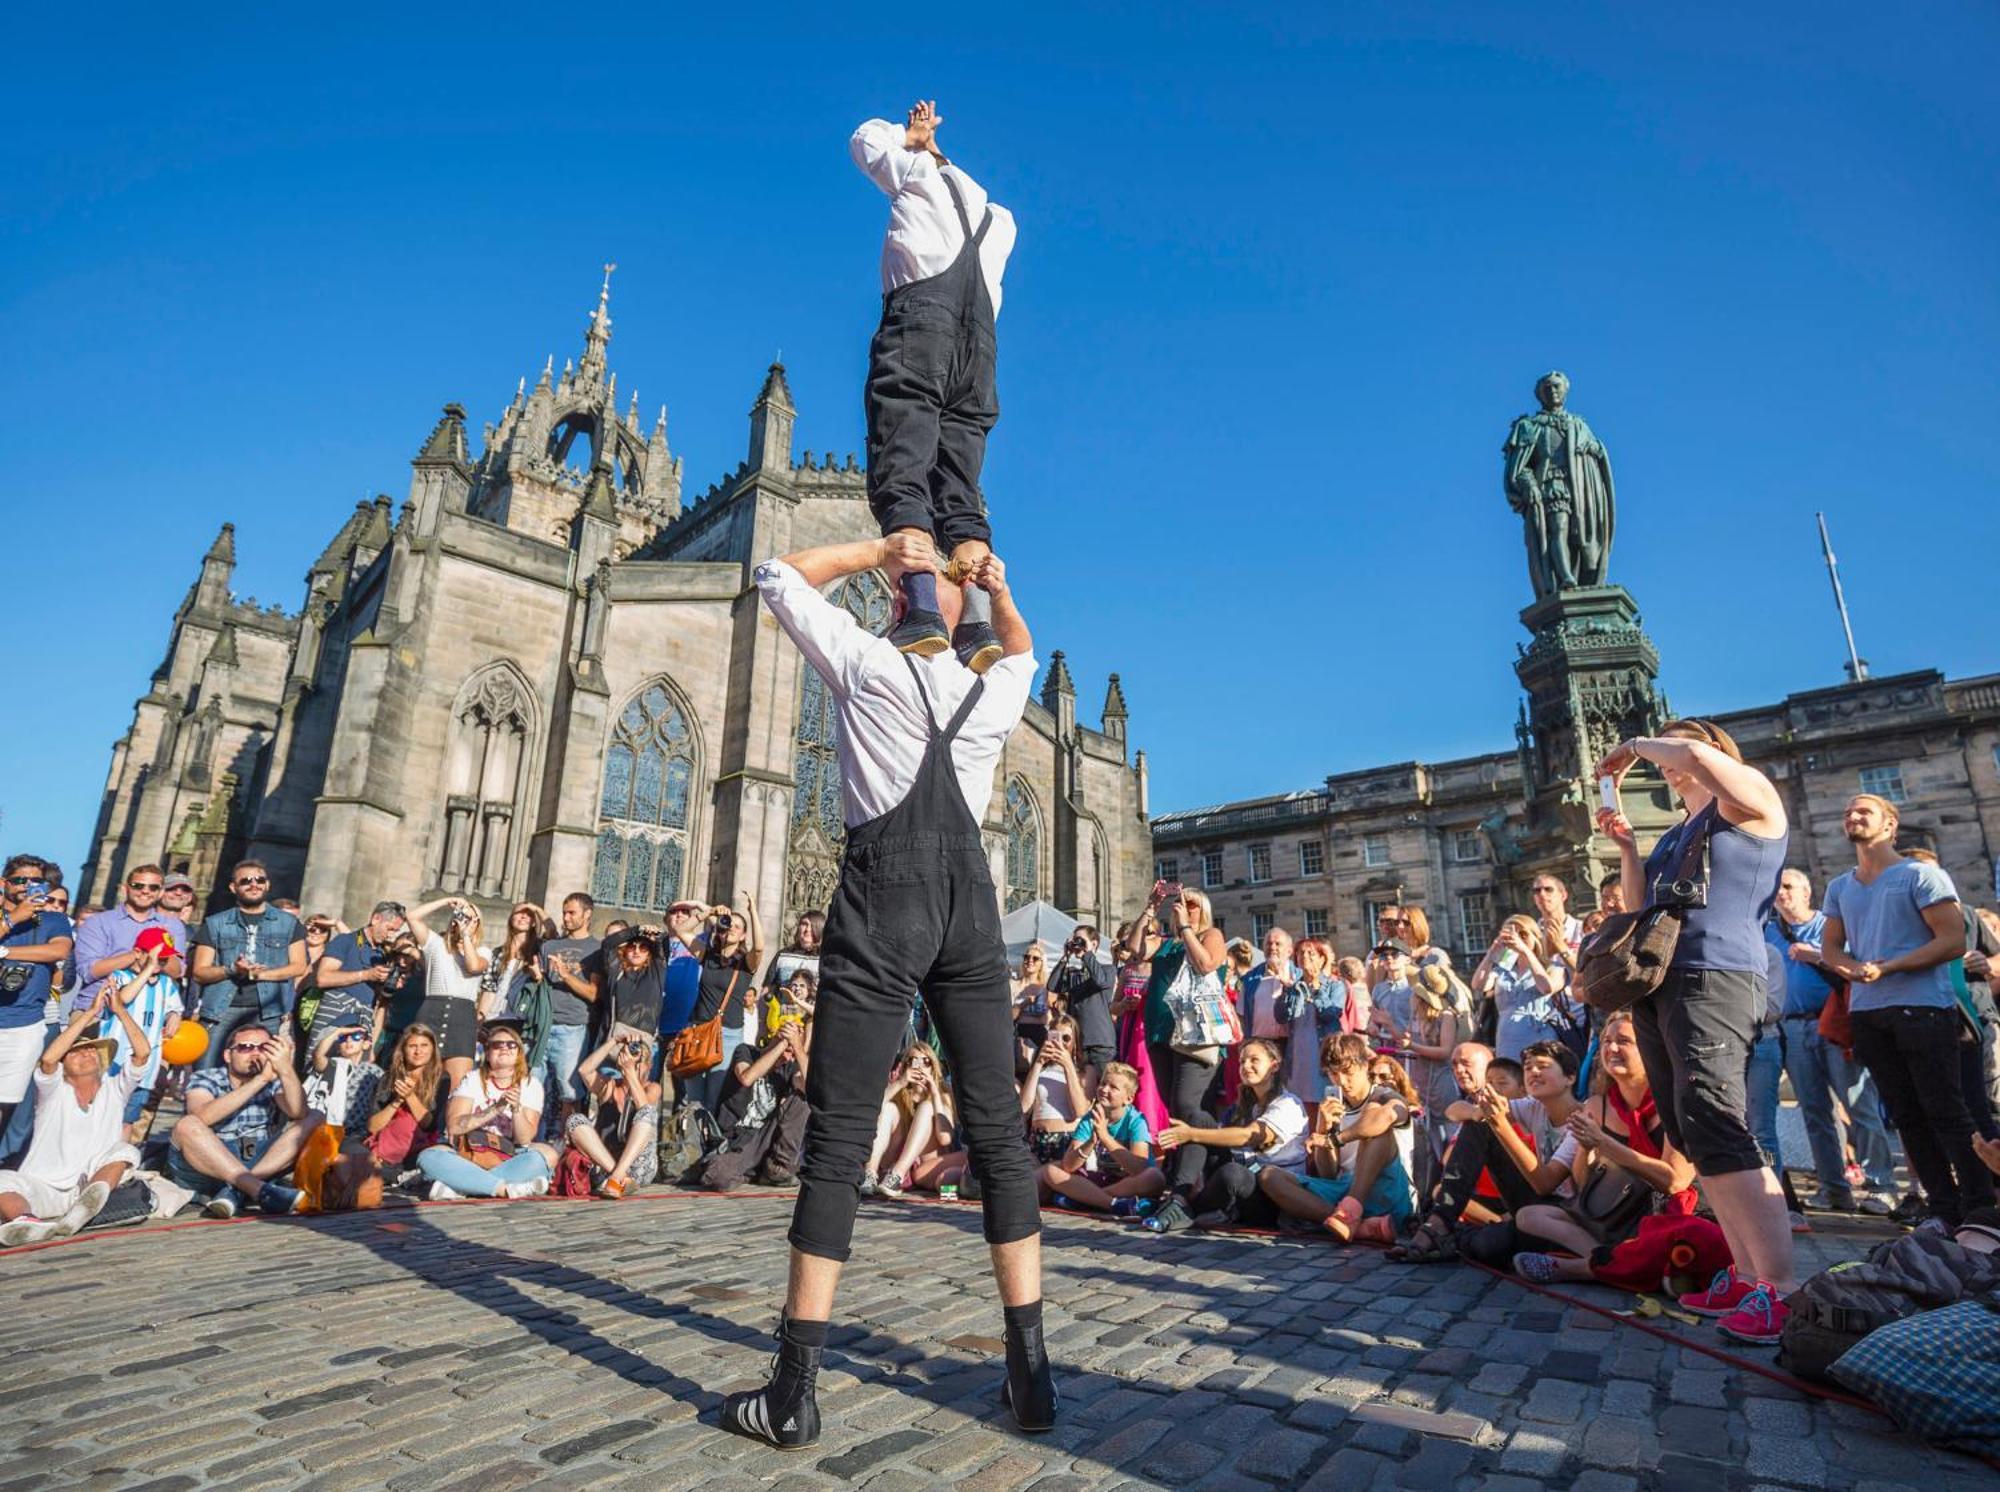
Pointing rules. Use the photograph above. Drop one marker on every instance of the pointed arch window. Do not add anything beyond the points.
(485, 782)
(819, 828)
(646, 809)
(1024, 845)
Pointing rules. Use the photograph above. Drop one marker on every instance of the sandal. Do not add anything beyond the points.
(1434, 1242)
(616, 1190)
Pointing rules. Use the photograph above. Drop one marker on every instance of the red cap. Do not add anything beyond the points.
(159, 940)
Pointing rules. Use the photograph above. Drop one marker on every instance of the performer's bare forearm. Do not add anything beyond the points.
(830, 562)
(1010, 626)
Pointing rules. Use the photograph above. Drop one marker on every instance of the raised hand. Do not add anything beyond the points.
(908, 551)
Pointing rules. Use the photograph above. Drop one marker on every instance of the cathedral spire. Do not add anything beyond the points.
(1058, 683)
(1112, 718)
(597, 336)
(771, 420)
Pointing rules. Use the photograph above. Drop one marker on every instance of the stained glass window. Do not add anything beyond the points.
(1024, 846)
(649, 774)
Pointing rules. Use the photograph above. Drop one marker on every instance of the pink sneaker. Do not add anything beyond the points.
(1724, 1294)
(1758, 1320)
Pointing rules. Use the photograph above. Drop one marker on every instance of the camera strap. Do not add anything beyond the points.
(1690, 862)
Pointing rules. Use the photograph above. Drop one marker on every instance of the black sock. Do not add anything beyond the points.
(805, 1333)
(1022, 1317)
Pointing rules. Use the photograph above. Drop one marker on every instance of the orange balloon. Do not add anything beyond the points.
(186, 1045)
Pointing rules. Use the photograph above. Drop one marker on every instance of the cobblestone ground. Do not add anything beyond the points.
(586, 1344)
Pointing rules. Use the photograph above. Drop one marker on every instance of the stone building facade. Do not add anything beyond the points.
(1453, 837)
(545, 673)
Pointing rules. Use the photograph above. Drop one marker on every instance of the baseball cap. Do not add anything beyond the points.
(158, 940)
(176, 878)
(1393, 945)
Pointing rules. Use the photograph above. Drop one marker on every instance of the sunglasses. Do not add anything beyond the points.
(503, 1046)
(353, 1035)
(253, 880)
(143, 886)
(22, 880)
(247, 1046)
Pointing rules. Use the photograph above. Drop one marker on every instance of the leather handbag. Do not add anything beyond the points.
(1627, 958)
(698, 1048)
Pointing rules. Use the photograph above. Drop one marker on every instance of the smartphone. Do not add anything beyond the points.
(1607, 790)
(38, 889)
(1171, 891)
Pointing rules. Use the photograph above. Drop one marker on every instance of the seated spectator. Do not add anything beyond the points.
(246, 1123)
(153, 996)
(1524, 1144)
(620, 1134)
(79, 1152)
(1357, 1180)
(916, 1130)
(763, 1111)
(1214, 1170)
(489, 1147)
(1521, 975)
(413, 1096)
(1505, 1076)
(1622, 1168)
(343, 1079)
(1109, 1165)
(1053, 1097)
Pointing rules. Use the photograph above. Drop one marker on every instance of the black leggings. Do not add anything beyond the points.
(1232, 1190)
(1478, 1149)
(1185, 1087)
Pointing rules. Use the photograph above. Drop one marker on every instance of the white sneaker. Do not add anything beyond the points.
(891, 1185)
(26, 1230)
(516, 1190)
(869, 1185)
(442, 1193)
(1874, 1205)
(222, 1204)
(90, 1201)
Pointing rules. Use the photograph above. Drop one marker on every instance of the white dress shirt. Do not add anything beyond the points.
(881, 735)
(924, 235)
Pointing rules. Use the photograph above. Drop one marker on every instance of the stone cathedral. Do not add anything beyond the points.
(545, 673)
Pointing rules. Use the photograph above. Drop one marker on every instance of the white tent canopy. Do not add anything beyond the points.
(1037, 922)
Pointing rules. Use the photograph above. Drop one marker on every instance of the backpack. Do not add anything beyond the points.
(1835, 1309)
(689, 1135)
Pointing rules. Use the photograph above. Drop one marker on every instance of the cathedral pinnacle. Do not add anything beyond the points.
(1058, 683)
(1114, 701)
(598, 335)
(224, 547)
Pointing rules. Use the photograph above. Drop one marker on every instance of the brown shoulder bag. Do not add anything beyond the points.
(698, 1048)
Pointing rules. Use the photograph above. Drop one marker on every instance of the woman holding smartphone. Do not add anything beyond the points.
(1695, 1031)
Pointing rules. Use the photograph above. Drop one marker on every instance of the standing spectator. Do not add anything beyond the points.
(576, 982)
(1214, 1167)
(245, 959)
(110, 940)
(514, 963)
(246, 1125)
(79, 1152)
(320, 930)
(1561, 932)
(34, 941)
(1611, 895)
(1135, 949)
(489, 1148)
(1443, 1018)
(1317, 1006)
(1522, 975)
(1821, 1072)
(1892, 926)
(412, 1099)
(355, 971)
(177, 897)
(1392, 1003)
(1694, 1030)
(801, 953)
(620, 1136)
(1079, 981)
(1264, 989)
(1031, 1006)
(1191, 939)
(731, 953)
(454, 964)
(1976, 1003)
(635, 1000)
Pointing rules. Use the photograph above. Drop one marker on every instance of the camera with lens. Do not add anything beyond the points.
(723, 921)
(1077, 944)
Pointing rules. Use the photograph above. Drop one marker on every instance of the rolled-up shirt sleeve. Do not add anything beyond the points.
(878, 149)
(828, 635)
(94, 940)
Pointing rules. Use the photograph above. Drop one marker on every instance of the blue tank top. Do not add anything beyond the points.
(1743, 873)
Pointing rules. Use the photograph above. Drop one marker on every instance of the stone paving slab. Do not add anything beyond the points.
(586, 1344)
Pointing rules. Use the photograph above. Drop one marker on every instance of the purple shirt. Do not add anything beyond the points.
(113, 932)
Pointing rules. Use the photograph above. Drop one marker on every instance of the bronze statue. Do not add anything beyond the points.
(1559, 481)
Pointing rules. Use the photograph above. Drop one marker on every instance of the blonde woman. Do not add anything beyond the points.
(1187, 925)
(1053, 1099)
(1031, 1005)
(454, 962)
(1522, 977)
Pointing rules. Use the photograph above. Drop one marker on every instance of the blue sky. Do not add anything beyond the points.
(1282, 283)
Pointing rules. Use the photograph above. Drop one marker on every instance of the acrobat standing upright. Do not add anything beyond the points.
(915, 910)
(931, 395)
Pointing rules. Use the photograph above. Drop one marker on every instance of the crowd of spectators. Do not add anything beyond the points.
(1168, 1076)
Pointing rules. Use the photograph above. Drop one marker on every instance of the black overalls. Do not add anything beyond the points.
(915, 910)
(930, 398)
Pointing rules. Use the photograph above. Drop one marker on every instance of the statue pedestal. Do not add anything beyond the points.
(1591, 675)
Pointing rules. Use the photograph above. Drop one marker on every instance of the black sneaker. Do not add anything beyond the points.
(920, 632)
(784, 1412)
(977, 645)
(1171, 1218)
